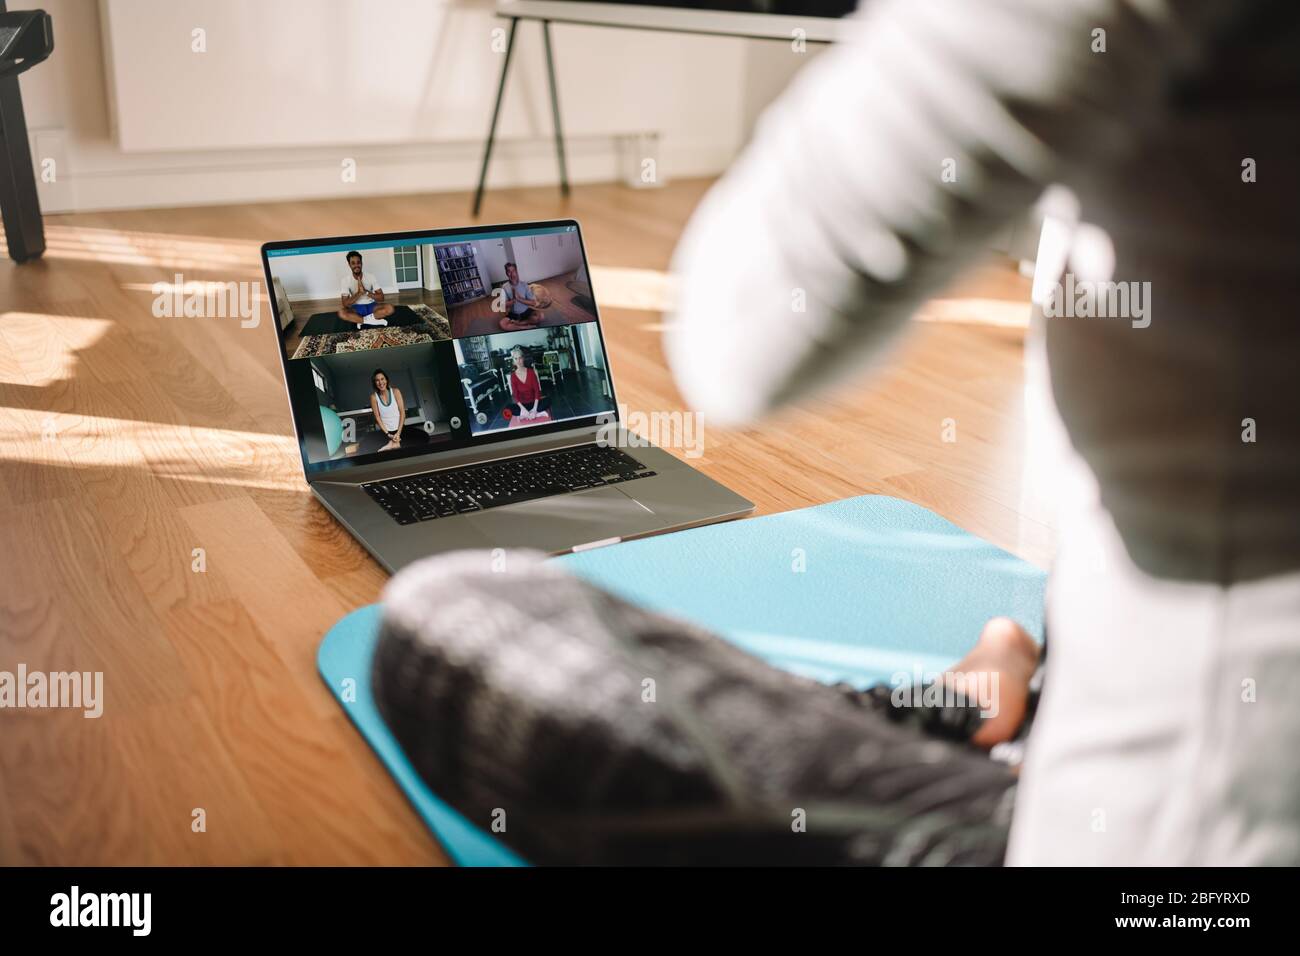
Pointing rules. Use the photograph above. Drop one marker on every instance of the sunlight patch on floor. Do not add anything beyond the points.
(189, 287)
(646, 290)
(653, 290)
(219, 456)
(127, 247)
(43, 348)
(1001, 313)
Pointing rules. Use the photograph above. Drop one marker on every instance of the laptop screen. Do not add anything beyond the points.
(413, 343)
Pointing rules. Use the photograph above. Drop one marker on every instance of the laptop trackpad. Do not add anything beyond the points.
(561, 522)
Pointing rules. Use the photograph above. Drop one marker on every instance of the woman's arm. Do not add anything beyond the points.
(889, 163)
(401, 414)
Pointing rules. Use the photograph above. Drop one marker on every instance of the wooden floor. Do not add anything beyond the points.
(129, 440)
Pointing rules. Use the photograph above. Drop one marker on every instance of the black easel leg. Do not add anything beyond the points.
(555, 110)
(496, 112)
(19, 204)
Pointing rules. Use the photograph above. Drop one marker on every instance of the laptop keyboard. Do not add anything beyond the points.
(442, 494)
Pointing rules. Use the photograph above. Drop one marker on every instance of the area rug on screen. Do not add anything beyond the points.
(428, 326)
(326, 323)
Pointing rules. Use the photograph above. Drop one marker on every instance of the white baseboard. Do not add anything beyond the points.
(168, 180)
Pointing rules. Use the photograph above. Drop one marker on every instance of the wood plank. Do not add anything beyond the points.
(292, 761)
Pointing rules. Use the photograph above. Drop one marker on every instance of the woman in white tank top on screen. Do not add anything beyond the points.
(388, 407)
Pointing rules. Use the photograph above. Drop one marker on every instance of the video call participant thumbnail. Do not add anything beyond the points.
(527, 401)
(362, 298)
(523, 308)
(389, 408)
(368, 404)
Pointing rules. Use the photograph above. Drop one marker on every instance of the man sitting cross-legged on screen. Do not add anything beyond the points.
(363, 300)
(523, 310)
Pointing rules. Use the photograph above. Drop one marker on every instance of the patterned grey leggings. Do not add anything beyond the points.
(601, 733)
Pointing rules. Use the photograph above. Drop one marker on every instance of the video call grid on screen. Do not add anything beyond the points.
(486, 333)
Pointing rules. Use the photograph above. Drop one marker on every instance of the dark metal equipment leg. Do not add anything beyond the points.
(19, 205)
(555, 109)
(496, 112)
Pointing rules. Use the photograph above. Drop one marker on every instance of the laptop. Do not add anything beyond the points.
(451, 389)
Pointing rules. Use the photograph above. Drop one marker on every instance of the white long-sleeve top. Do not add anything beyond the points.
(882, 173)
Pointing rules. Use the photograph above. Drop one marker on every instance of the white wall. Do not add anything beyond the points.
(591, 350)
(351, 371)
(491, 257)
(534, 338)
(262, 115)
(540, 257)
(321, 276)
(429, 268)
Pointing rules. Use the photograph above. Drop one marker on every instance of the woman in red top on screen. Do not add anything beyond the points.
(526, 390)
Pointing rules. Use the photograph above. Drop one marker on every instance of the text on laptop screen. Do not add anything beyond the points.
(413, 345)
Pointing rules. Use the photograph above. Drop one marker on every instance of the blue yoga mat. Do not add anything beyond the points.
(858, 591)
